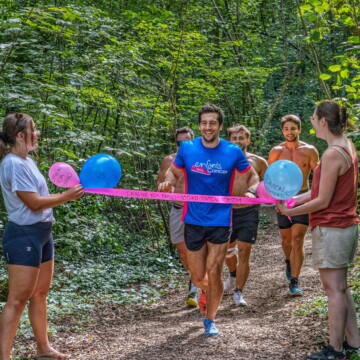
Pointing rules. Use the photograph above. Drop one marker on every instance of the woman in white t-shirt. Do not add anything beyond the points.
(27, 241)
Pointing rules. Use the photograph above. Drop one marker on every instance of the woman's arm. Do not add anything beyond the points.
(302, 198)
(331, 164)
(35, 202)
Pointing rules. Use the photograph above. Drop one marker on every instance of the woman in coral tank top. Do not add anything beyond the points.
(334, 223)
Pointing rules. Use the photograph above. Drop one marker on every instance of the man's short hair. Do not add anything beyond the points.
(238, 128)
(211, 108)
(293, 118)
(184, 130)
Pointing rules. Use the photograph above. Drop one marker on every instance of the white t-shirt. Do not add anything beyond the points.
(18, 174)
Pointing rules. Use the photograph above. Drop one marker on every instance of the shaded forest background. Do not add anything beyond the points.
(119, 77)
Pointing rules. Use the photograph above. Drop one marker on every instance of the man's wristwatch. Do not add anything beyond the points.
(251, 191)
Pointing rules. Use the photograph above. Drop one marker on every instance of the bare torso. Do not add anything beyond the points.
(304, 155)
(240, 185)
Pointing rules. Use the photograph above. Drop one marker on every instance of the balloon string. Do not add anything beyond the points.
(152, 195)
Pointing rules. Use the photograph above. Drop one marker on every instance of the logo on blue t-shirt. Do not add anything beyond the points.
(208, 168)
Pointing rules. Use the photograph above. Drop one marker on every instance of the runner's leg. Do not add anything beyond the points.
(243, 268)
(215, 260)
(298, 232)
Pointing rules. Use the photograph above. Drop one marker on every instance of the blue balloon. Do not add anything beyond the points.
(100, 171)
(283, 179)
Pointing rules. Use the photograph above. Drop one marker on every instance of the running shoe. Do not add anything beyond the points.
(202, 302)
(294, 288)
(192, 299)
(327, 353)
(351, 351)
(229, 285)
(210, 328)
(238, 298)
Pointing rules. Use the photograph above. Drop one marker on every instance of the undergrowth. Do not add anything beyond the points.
(136, 275)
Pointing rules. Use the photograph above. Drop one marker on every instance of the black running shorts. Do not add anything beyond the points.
(285, 223)
(245, 223)
(196, 236)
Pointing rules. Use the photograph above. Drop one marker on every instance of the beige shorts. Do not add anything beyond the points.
(177, 227)
(334, 248)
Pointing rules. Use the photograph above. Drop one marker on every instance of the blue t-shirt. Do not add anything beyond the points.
(209, 171)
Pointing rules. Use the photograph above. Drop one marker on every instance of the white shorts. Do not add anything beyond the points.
(177, 227)
(334, 248)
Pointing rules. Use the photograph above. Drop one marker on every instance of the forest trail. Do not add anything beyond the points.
(266, 329)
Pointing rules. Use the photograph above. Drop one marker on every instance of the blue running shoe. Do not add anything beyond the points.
(210, 328)
(294, 287)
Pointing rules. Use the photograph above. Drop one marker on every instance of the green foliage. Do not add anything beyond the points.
(120, 76)
(335, 22)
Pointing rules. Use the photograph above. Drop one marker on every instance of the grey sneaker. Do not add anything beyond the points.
(229, 285)
(238, 298)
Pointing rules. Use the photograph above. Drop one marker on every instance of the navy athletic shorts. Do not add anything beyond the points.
(28, 245)
(245, 223)
(285, 223)
(196, 236)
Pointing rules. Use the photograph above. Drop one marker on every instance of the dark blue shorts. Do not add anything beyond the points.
(196, 236)
(28, 245)
(285, 223)
(245, 223)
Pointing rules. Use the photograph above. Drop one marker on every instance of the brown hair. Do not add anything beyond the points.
(211, 108)
(238, 128)
(184, 130)
(293, 118)
(335, 115)
(12, 125)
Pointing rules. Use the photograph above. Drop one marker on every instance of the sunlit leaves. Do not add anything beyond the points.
(335, 68)
(325, 76)
(354, 39)
(322, 28)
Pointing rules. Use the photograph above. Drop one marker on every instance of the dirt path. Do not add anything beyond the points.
(265, 329)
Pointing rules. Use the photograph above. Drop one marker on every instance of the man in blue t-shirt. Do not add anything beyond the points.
(208, 165)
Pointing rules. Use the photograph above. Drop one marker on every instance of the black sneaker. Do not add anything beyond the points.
(327, 353)
(350, 350)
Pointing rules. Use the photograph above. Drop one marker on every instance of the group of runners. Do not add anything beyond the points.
(201, 231)
(206, 235)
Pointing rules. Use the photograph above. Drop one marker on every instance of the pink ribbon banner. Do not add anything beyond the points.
(152, 195)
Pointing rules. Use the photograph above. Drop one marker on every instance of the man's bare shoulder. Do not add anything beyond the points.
(169, 158)
(255, 158)
(279, 147)
(305, 146)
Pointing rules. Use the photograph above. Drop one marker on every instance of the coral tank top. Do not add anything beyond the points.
(341, 212)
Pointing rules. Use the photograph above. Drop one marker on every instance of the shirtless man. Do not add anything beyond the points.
(293, 231)
(245, 220)
(176, 224)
